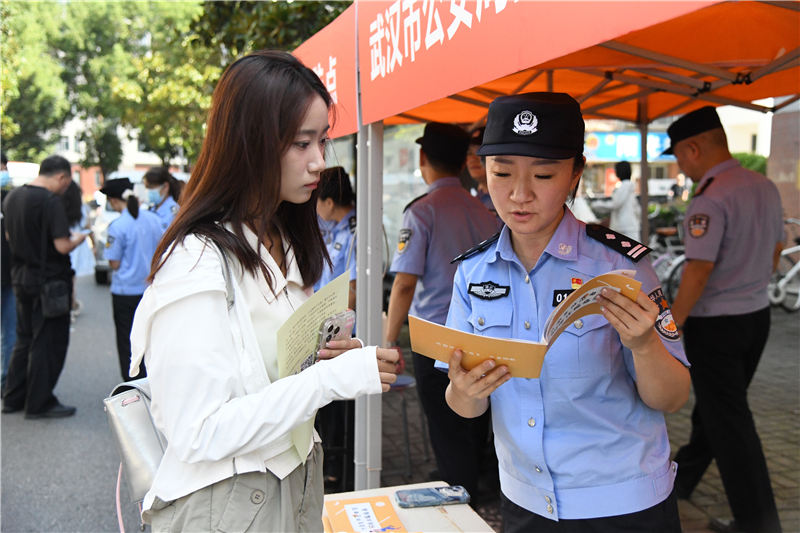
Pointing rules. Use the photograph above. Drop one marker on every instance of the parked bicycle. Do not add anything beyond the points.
(784, 287)
(667, 258)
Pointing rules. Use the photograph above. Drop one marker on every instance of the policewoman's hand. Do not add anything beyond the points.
(334, 348)
(469, 389)
(633, 320)
(387, 366)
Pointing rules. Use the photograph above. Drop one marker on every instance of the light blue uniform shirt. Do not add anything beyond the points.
(735, 221)
(166, 212)
(437, 227)
(339, 238)
(578, 442)
(132, 242)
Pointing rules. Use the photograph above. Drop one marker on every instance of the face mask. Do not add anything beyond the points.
(5, 179)
(154, 197)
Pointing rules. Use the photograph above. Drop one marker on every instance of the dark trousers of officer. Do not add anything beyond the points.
(124, 307)
(660, 518)
(459, 444)
(38, 356)
(724, 353)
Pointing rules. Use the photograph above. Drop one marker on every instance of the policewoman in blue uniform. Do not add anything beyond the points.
(163, 191)
(584, 447)
(336, 214)
(132, 241)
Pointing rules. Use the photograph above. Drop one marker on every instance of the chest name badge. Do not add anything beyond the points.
(488, 290)
(665, 324)
(402, 240)
(559, 295)
(698, 225)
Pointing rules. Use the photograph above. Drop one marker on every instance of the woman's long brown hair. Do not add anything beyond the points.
(256, 111)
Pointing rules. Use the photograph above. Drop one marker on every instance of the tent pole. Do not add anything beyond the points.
(369, 296)
(644, 168)
(550, 81)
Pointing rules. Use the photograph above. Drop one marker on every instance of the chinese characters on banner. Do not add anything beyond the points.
(399, 32)
(328, 76)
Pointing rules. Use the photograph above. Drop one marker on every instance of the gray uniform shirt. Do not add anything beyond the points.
(437, 227)
(735, 220)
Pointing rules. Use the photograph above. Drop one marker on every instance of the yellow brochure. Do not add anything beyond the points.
(297, 341)
(523, 358)
(367, 514)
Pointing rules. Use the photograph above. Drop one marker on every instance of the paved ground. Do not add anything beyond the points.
(59, 475)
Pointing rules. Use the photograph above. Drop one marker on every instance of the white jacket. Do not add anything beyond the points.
(212, 397)
(625, 210)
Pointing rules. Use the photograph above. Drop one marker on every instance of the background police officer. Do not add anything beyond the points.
(437, 226)
(734, 235)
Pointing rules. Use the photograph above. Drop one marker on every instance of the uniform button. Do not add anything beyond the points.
(531, 422)
(538, 470)
(480, 321)
(527, 325)
(257, 496)
(550, 509)
(527, 279)
(578, 324)
(547, 499)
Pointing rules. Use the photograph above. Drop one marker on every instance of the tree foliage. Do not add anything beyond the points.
(240, 27)
(754, 162)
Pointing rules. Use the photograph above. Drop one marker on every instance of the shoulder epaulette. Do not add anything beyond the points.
(702, 189)
(409, 204)
(618, 242)
(477, 248)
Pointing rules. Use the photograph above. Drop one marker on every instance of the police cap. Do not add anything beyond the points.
(114, 188)
(690, 124)
(444, 142)
(544, 124)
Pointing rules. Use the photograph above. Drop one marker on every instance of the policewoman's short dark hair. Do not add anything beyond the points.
(334, 183)
(540, 124)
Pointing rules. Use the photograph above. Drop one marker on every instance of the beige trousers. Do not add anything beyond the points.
(255, 501)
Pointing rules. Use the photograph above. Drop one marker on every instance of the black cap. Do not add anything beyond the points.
(476, 136)
(691, 124)
(444, 142)
(547, 125)
(115, 188)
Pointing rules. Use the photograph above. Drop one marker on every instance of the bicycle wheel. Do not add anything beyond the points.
(775, 294)
(674, 278)
(791, 300)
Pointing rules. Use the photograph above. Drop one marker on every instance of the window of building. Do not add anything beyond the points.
(753, 142)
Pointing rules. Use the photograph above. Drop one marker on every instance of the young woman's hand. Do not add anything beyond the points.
(387, 366)
(469, 389)
(334, 348)
(633, 320)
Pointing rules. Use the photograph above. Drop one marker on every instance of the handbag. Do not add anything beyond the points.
(139, 442)
(55, 294)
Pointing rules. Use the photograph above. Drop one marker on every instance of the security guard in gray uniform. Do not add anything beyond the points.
(436, 227)
(734, 235)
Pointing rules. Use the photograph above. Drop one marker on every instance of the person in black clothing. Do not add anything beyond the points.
(40, 241)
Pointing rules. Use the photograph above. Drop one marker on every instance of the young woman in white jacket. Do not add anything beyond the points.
(230, 462)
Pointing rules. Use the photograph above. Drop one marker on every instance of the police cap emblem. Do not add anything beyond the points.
(525, 123)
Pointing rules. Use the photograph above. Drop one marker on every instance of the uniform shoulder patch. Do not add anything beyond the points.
(352, 224)
(665, 324)
(698, 225)
(476, 249)
(402, 239)
(618, 242)
(488, 290)
(409, 204)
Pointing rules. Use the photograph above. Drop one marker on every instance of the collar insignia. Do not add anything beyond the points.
(564, 248)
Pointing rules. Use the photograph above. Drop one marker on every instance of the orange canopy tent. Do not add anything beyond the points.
(728, 53)
(426, 60)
